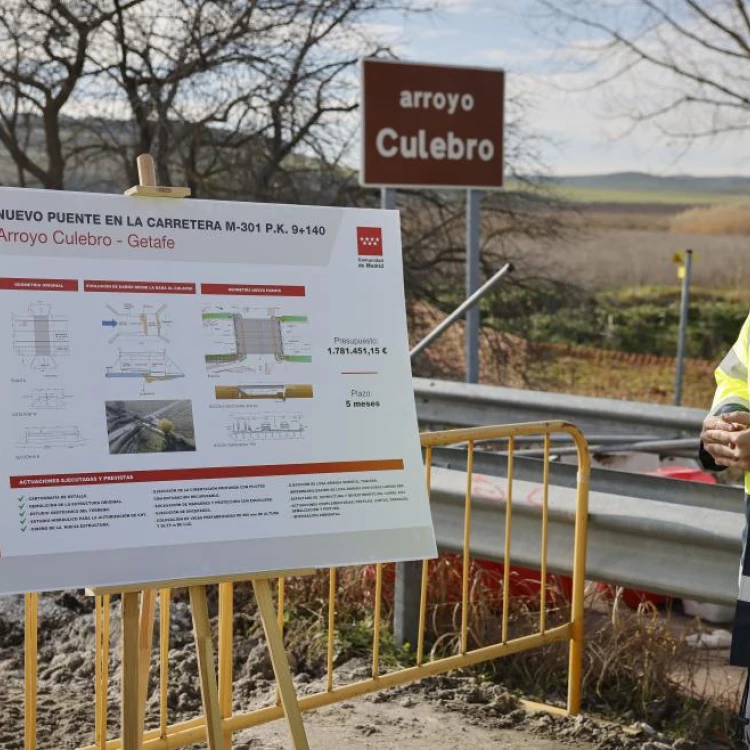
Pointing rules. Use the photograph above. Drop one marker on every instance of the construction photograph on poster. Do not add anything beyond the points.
(182, 403)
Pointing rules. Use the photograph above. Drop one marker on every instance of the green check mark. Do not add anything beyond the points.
(23, 521)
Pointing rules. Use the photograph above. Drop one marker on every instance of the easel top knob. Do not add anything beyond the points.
(146, 170)
(147, 179)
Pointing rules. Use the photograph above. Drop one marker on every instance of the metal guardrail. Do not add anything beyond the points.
(662, 535)
(442, 402)
(685, 549)
(624, 484)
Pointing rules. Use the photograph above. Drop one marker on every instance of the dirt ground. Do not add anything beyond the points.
(410, 724)
(452, 712)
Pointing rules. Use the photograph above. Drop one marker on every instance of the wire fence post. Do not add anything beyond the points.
(685, 271)
(473, 200)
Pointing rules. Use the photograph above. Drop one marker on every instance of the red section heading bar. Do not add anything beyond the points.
(195, 475)
(254, 290)
(138, 287)
(40, 285)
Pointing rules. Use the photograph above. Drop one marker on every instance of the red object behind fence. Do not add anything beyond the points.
(684, 473)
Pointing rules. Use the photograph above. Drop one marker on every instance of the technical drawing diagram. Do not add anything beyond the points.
(253, 340)
(142, 321)
(140, 333)
(150, 365)
(266, 427)
(40, 337)
(262, 391)
(51, 437)
(48, 398)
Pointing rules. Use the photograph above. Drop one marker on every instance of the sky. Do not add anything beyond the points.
(580, 133)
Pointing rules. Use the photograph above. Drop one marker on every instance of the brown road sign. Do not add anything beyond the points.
(431, 125)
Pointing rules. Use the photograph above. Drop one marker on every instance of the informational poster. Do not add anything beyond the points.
(196, 388)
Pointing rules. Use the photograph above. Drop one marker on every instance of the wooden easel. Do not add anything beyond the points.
(137, 629)
(138, 617)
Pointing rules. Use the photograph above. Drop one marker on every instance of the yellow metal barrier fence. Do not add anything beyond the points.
(171, 736)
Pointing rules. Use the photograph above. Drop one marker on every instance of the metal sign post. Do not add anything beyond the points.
(434, 127)
(408, 574)
(387, 199)
(473, 230)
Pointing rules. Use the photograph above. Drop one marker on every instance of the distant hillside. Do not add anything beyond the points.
(640, 187)
(103, 172)
(102, 146)
(641, 181)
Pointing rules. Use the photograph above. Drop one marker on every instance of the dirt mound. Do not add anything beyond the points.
(502, 356)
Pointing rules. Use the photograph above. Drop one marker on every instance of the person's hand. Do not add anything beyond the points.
(727, 439)
(740, 420)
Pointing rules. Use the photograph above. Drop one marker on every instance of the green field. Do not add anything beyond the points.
(643, 188)
(608, 195)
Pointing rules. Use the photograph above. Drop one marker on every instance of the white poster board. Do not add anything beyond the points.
(195, 388)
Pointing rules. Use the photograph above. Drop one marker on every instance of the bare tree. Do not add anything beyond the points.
(170, 60)
(686, 61)
(44, 61)
(282, 125)
(518, 225)
(196, 82)
(237, 99)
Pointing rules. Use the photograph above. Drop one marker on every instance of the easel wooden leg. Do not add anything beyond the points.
(30, 668)
(280, 663)
(206, 667)
(131, 704)
(145, 643)
(226, 638)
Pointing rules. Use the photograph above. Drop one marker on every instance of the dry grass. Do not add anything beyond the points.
(622, 217)
(649, 379)
(615, 246)
(604, 216)
(617, 258)
(502, 361)
(716, 220)
(638, 665)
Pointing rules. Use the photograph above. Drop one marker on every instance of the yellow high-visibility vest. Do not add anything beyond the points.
(732, 382)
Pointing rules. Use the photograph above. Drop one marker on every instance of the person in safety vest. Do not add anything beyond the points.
(725, 442)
